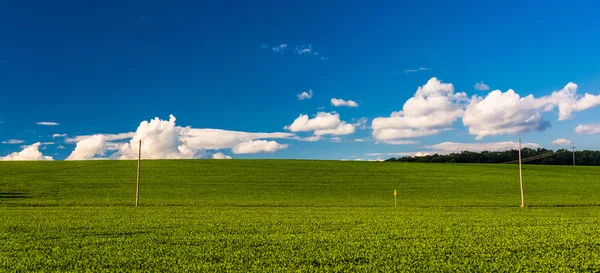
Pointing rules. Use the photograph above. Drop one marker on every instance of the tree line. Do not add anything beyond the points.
(539, 156)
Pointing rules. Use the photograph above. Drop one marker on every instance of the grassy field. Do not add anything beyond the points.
(275, 215)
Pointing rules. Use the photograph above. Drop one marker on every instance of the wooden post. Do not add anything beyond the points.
(137, 185)
(395, 204)
(521, 175)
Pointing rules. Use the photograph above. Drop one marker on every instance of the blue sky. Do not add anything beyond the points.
(102, 67)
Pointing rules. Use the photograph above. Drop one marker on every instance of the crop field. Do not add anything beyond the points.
(281, 216)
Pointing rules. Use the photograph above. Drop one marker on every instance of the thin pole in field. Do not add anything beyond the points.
(573, 154)
(395, 203)
(521, 175)
(137, 185)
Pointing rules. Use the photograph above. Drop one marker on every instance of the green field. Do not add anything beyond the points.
(280, 216)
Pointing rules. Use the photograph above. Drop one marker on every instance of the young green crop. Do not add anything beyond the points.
(275, 215)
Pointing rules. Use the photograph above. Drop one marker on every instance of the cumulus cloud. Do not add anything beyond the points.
(163, 139)
(13, 141)
(258, 146)
(305, 95)
(58, 135)
(432, 110)
(360, 123)
(322, 124)
(47, 123)
(561, 141)
(30, 152)
(220, 155)
(88, 148)
(503, 113)
(481, 86)
(588, 129)
(340, 102)
(568, 101)
(509, 113)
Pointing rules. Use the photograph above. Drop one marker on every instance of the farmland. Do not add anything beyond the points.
(277, 215)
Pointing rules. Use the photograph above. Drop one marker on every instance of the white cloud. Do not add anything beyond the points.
(432, 110)
(88, 148)
(162, 139)
(305, 95)
(399, 142)
(258, 146)
(280, 48)
(60, 147)
(220, 155)
(408, 71)
(508, 113)
(214, 139)
(568, 101)
(481, 86)
(30, 152)
(503, 113)
(305, 49)
(323, 124)
(561, 141)
(47, 143)
(308, 139)
(107, 137)
(47, 123)
(13, 141)
(340, 102)
(361, 140)
(588, 129)
(360, 123)
(58, 135)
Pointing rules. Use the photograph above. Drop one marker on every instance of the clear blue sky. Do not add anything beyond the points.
(102, 67)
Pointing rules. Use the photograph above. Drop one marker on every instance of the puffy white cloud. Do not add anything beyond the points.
(432, 110)
(561, 141)
(305, 95)
(308, 139)
(508, 113)
(481, 86)
(322, 124)
(58, 135)
(588, 129)
(88, 148)
(568, 101)
(336, 139)
(340, 102)
(48, 123)
(162, 139)
(258, 146)
(503, 113)
(30, 152)
(220, 155)
(13, 141)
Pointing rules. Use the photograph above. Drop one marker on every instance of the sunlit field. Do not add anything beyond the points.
(277, 215)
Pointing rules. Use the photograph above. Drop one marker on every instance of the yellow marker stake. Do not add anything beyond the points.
(395, 204)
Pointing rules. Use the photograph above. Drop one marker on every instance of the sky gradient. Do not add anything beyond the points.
(284, 79)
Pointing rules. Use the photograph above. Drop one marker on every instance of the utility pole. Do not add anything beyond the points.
(573, 154)
(521, 176)
(137, 185)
